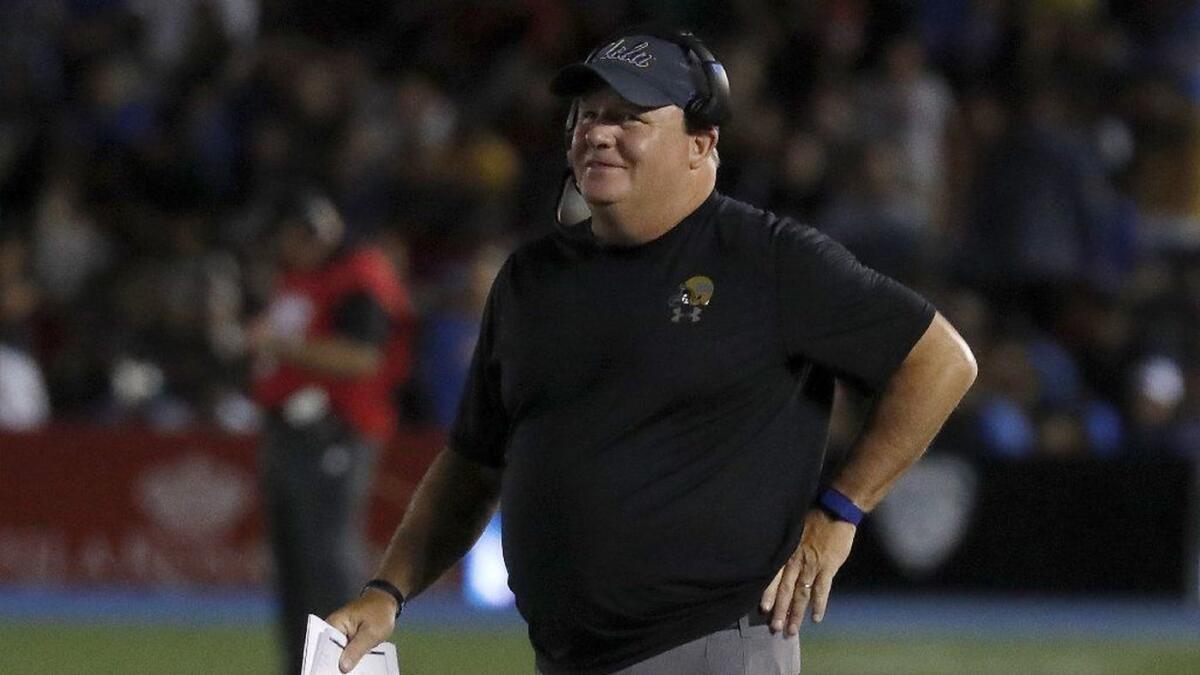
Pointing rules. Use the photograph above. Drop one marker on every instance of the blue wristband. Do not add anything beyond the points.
(839, 506)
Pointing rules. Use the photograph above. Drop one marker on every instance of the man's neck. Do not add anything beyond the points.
(634, 224)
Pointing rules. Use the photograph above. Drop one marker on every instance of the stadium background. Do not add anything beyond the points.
(1033, 167)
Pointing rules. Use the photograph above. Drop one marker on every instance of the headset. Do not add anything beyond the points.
(712, 108)
(709, 107)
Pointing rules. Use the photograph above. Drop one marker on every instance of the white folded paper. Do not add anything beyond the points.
(323, 646)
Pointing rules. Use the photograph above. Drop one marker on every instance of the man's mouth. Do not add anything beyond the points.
(599, 164)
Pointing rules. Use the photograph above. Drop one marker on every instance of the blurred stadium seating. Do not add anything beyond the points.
(1034, 168)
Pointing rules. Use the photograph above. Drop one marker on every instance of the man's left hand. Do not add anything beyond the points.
(808, 573)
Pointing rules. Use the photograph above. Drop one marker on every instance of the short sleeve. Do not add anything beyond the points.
(481, 429)
(840, 314)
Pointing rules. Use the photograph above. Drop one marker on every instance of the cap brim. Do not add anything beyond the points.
(578, 79)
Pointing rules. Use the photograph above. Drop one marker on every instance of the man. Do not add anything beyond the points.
(331, 346)
(649, 403)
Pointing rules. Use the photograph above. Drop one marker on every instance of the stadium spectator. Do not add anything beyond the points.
(452, 328)
(1157, 391)
(24, 404)
(326, 362)
(1008, 389)
(911, 106)
(1043, 206)
(879, 218)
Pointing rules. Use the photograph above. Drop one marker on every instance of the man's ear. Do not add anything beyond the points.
(701, 146)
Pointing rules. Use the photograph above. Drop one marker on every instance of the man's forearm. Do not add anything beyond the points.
(908, 414)
(449, 511)
(336, 357)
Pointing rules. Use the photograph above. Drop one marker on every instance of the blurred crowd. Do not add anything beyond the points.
(1032, 167)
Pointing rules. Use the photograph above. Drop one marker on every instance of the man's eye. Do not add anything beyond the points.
(588, 115)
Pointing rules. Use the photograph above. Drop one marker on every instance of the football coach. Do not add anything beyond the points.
(650, 396)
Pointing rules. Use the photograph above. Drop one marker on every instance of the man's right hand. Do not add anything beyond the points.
(365, 622)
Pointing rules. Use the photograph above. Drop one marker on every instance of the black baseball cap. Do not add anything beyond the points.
(645, 70)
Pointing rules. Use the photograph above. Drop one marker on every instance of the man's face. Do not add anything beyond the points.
(298, 248)
(622, 153)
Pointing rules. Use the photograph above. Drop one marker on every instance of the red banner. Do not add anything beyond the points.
(99, 506)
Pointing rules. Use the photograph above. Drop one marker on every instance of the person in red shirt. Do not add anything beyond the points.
(332, 344)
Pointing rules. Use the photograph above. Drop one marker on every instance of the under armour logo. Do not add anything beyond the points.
(680, 311)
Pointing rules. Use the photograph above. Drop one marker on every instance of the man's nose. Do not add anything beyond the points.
(599, 135)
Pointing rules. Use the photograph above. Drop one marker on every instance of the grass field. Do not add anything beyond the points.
(69, 649)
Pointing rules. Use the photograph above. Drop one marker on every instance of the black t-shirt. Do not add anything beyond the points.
(661, 414)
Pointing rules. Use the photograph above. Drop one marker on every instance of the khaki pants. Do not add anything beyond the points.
(743, 649)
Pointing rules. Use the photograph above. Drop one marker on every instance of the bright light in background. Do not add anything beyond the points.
(485, 579)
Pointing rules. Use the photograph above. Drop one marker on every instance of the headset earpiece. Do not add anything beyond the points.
(711, 107)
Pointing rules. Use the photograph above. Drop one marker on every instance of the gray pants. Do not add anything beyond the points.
(315, 483)
(744, 649)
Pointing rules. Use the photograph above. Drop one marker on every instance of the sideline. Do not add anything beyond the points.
(877, 615)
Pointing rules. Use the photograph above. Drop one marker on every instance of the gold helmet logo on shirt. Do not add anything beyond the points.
(690, 298)
(697, 291)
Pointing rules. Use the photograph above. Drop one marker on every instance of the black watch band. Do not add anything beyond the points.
(389, 588)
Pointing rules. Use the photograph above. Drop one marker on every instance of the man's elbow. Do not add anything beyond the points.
(942, 360)
(956, 358)
(965, 367)
(352, 359)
